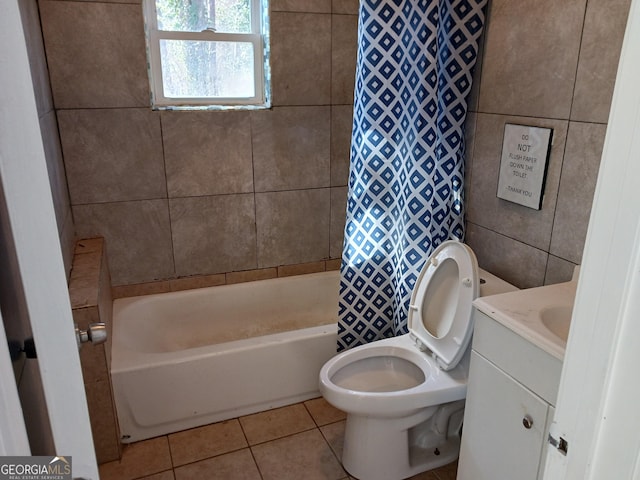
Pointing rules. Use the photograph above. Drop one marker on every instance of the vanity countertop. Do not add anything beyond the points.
(540, 315)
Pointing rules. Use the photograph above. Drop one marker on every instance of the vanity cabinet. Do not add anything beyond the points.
(512, 388)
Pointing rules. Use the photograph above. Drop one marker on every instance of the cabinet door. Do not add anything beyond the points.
(495, 443)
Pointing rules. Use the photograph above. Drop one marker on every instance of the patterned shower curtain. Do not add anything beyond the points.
(406, 181)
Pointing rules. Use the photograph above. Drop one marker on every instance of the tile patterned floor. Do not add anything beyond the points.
(298, 442)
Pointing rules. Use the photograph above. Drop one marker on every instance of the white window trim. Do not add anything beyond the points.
(258, 36)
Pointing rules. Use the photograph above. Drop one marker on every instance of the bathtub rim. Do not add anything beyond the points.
(124, 359)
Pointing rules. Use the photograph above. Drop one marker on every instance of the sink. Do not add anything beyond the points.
(557, 320)
(541, 315)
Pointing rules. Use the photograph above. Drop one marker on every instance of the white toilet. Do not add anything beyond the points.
(404, 396)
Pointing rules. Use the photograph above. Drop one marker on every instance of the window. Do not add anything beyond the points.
(207, 52)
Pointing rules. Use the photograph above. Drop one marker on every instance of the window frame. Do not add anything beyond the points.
(258, 38)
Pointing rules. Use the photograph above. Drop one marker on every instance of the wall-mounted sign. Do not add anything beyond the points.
(523, 167)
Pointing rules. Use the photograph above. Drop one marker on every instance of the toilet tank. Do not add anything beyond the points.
(492, 285)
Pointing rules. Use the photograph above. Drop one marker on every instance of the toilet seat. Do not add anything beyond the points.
(440, 309)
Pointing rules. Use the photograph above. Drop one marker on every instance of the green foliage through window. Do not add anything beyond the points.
(229, 16)
(207, 49)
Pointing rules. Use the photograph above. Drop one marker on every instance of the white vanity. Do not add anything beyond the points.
(516, 360)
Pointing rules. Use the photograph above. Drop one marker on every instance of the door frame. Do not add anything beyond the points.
(597, 409)
(29, 204)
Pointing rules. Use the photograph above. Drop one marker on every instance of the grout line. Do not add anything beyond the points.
(170, 454)
(254, 193)
(304, 404)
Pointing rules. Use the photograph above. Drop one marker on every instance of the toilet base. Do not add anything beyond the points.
(394, 449)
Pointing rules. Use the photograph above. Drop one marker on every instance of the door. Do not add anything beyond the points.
(32, 233)
(597, 408)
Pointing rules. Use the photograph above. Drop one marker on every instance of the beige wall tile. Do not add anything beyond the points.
(513, 261)
(104, 145)
(55, 167)
(577, 186)
(301, 58)
(88, 303)
(86, 266)
(558, 270)
(470, 143)
(112, 154)
(528, 70)
(210, 440)
(333, 264)
(134, 290)
(602, 36)
(291, 148)
(84, 281)
(345, 6)
(92, 357)
(344, 50)
(280, 422)
(105, 304)
(67, 241)
(486, 209)
(213, 234)
(338, 219)
(200, 281)
(207, 153)
(311, 6)
(237, 465)
(530, 59)
(76, 34)
(341, 127)
(37, 60)
(293, 226)
(305, 66)
(251, 275)
(138, 235)
(301, 269)
(89, 245)
(305, 455)
(103, 422)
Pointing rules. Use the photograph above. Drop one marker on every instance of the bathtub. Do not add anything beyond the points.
(185, 359)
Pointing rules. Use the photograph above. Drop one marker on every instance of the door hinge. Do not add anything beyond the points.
(17, 348)
(559, 444)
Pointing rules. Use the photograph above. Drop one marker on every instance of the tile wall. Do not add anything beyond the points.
(549, 64)
(91, 302)
(178, 194)
(48, 128)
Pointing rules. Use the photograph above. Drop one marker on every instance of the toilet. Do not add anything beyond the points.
(404, 396)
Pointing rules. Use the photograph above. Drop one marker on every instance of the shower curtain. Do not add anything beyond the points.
(406, 179)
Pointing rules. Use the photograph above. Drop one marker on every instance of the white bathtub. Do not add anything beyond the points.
(185, 359)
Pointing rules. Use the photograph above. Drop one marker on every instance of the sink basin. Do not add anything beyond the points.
(541, 315)
(557, 320)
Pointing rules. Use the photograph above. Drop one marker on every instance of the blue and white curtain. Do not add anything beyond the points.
(406, 181)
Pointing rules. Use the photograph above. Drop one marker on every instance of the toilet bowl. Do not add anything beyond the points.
(404, 396)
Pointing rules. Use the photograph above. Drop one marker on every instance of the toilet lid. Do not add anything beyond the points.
(440, 308)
